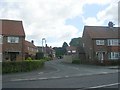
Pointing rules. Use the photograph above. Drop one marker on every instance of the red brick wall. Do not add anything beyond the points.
(8, 47)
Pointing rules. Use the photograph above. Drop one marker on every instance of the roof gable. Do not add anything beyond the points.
(12, 27)
(102, 31)
(29, 44)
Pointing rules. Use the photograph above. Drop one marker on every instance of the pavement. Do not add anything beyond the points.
(57, 69)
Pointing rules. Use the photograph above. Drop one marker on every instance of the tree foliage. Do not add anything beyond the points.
(76, 42)
(58, 51)
(64, 45)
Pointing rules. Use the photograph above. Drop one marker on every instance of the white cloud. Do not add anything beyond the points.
(110, 13)
(46, 18)
(92, 21)
(100, 2)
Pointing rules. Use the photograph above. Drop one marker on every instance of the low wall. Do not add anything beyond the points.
(70, 58)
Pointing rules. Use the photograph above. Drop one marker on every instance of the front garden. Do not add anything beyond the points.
(23, 66)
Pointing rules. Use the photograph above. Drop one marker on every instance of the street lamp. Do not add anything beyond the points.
(43, 39)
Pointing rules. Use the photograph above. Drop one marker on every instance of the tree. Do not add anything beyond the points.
(64, 46)
(76, 42)
(59, 51)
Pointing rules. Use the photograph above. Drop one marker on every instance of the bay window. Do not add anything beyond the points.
(114, 55)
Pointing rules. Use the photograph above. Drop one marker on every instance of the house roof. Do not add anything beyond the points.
(69, 48)
(102, 31)
(29, 44)
(12, 27)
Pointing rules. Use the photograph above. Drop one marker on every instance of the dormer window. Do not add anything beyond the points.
(13, 39)
(100, 42)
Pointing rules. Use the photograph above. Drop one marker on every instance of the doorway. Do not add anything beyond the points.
(100, 56)
(13, 56)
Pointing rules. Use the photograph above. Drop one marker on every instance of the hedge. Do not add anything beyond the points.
(21, 66)
(76, 61)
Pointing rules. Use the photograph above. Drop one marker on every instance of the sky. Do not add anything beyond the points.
(58, 21)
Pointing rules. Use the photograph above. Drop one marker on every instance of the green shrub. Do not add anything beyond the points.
(47, 58)
(22, 66)
(29, 58)
(39, 55)
(76, 61)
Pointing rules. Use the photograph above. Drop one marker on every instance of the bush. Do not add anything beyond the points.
(47, 58)
(76, 61)
(21, 66)
(39, 55)
(29, 59)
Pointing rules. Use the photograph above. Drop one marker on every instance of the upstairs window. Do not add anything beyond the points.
(13, 39)
(113, 42)
(100, 42)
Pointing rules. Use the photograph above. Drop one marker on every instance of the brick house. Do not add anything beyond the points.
(12, 38)
(71, 50)
(101, 43)
(30, 49)
(48, 51)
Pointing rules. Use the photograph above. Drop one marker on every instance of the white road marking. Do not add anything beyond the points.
(55, 77)
(105, 85)
(43, 78)
(104, 72)
(41, 73)
(23, 79)
(67, 76)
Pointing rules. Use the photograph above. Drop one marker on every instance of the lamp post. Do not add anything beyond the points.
(43, 39)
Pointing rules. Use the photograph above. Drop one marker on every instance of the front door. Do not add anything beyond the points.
(100, 56)
(13, 56)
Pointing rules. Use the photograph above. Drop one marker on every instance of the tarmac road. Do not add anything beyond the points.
(57, 74)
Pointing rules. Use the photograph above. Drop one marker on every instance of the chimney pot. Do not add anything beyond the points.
(32, 42)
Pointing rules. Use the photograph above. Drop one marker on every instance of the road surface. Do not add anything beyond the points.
(57, 74)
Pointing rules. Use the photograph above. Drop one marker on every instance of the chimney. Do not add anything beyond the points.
(46, 45)
(110, 24)
(32, 42)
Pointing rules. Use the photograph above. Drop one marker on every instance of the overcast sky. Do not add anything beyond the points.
(58, 20)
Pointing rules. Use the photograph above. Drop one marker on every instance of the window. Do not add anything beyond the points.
(1, 39)
(69, 51)
(0, 57)
(99, 42)
(114, 55)
(13, 39)
(73, 51)
(83, 45)
(113, 42)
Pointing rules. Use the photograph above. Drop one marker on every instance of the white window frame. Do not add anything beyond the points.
(73, 51)
(114, 55)
(0, 57)
(113, 42)
(1, 39)
(83, 45)
(100, 42)
(69, 51)
(13, 39)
